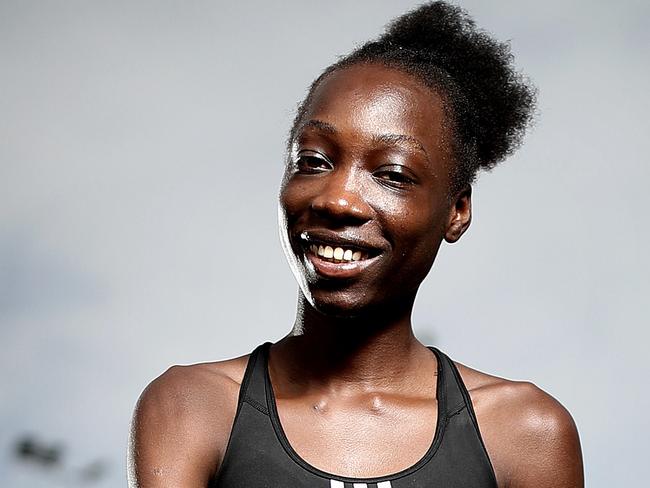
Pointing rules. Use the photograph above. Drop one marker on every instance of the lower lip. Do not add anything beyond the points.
(346, 270)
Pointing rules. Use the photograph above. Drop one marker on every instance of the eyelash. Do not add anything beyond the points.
(301, 164)
(396, 179)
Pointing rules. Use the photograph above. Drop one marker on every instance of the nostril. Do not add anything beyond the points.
(341, 198)
(341, 209)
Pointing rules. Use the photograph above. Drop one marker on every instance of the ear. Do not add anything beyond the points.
(460, 214)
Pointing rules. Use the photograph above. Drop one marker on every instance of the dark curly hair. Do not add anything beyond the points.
(489, 105)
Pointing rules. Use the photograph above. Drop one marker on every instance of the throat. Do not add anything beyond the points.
(305, 367)
(376, 349)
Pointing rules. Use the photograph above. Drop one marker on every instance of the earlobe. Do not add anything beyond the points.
(460, 215)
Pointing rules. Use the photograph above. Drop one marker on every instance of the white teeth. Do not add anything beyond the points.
(337, 253)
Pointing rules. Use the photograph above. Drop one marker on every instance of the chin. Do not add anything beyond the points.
(356, 304)
(337, 304)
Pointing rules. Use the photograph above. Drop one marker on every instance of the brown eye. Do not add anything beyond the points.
(311, 163)
(394, 177)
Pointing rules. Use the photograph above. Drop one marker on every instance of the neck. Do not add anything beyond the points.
(368, 350)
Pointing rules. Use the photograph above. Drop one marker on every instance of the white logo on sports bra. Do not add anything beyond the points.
(340, 484)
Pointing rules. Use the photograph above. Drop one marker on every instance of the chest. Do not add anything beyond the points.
(361, 436)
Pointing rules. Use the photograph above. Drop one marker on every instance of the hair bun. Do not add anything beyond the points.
(429, 27)
(490, 103)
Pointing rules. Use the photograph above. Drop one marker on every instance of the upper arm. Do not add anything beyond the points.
(179, 430)
(532, 440)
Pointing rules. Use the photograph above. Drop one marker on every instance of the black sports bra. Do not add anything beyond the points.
(260, 456)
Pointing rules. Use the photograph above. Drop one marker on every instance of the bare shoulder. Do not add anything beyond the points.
(182, 423)
(530, 437)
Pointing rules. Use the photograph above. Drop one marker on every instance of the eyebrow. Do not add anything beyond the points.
(399, 139)
(388, 139)
(319, 124)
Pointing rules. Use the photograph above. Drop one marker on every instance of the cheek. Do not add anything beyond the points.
(418, 231)
(420, 219)
(292, 197)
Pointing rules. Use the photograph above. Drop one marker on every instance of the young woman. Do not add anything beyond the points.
(382, 154)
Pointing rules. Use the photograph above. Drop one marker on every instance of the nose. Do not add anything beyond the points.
(342, 199)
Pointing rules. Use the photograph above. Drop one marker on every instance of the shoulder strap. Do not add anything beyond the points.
(457, 390)
(253, 388)
(454, 391)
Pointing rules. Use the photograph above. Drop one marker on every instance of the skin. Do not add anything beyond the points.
(369, 160)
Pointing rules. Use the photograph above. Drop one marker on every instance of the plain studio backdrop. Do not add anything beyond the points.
(141, 149)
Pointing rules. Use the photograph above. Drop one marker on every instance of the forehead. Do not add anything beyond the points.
(369, 100)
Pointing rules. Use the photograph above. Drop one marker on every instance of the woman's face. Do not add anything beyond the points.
(364, 202)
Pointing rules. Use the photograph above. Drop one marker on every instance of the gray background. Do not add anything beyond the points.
(141, 147)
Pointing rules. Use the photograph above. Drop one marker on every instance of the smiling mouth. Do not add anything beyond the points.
(338, 262)
(337, 254)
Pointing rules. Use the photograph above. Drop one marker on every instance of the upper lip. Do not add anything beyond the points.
(348, 239)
